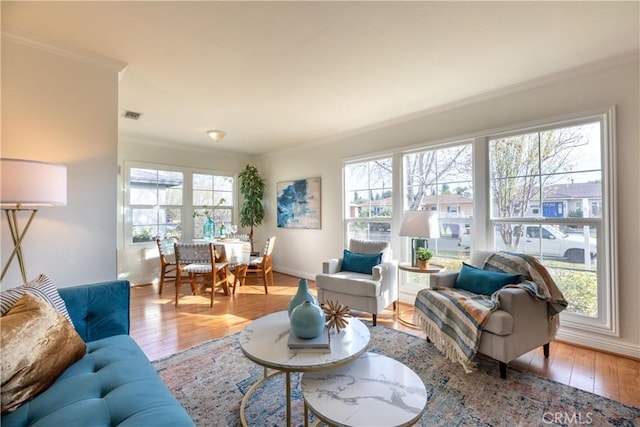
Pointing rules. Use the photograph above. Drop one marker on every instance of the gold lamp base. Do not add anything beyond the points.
(17, 237)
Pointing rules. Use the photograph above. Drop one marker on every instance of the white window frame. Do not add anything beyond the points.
(347, 220)
(229, 204)
(128, 206)
(187, 199)
(607, 322)
(461, 220)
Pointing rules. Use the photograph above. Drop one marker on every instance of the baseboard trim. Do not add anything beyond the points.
(602, 343)
(296, 273)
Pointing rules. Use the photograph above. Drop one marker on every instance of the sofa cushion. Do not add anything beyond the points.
(41, 287)
(360, 263)
(113, 384)
(37, 344)
(92, 318)
(484, 282)
(347, 282)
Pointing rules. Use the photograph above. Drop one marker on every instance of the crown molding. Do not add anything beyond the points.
(562, 75)
(51, 46)
(580, 70)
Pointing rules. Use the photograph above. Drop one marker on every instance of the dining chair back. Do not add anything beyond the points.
(168, 266)
(201, 260)
(220, 253)
(261, 266)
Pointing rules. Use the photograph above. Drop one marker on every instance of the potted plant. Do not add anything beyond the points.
(423, 255)
(252, 189)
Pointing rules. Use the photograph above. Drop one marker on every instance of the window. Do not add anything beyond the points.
(212, 198)
(155, 201)
(173, 202)
(545, 189)
(369, 201)
(561, 169)
(441, 180)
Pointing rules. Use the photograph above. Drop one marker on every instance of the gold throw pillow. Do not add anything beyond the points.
(37, 345)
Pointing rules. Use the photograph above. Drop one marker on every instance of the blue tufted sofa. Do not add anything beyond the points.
(114, 384)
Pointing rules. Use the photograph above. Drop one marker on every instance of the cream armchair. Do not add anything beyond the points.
(520, 325)
(369, 292)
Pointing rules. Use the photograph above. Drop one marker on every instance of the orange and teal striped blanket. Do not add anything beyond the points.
(538, 283)
(453, 318)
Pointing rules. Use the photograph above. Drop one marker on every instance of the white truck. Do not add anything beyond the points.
(547, 240)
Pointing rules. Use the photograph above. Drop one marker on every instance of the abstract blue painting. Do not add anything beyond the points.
(299, 203)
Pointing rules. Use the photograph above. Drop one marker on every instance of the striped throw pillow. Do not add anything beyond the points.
(41, 287)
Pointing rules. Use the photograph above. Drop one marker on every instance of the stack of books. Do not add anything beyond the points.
(319, 344)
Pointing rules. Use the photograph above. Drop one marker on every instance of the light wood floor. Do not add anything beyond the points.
(161, 330)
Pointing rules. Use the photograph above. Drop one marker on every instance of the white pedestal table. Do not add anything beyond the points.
(374, 390)
(264, 341)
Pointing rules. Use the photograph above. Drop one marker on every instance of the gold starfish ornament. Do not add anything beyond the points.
(336, 315)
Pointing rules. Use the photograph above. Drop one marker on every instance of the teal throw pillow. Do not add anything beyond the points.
(360, 263)
(484, 282)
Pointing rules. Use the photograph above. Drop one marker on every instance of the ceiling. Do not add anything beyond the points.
(280, 74)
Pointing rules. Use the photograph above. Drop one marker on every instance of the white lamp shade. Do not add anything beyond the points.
(27, 183)
(422, 224)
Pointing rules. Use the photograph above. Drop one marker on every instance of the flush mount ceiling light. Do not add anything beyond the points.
(216, 135)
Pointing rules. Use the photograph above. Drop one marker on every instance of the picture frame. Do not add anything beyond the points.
(299, 204)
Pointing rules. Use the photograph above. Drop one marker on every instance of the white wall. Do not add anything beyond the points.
(614, 82)
(139, 263)
(65, 111)
(61, 110)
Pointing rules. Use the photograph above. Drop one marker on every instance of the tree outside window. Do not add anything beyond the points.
(441, 180)
(557, 170)
(547, 190)
(369, 202)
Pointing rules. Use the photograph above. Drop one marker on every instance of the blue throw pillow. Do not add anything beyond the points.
(484, 282)
(360, 263)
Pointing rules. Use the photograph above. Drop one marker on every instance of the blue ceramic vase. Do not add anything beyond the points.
(307, 320)
(208, 229)
(301, 296)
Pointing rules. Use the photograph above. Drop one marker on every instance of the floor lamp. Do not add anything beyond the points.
(26, 186)
(420, 226)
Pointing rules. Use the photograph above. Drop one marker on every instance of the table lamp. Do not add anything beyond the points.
(420, 226)
(25, 186)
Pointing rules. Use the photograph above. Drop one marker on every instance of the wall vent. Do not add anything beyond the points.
(131, 115)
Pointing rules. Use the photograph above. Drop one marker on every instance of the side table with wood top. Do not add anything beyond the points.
(406, 266)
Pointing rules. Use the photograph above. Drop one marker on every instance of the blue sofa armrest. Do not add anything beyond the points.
(98, 310)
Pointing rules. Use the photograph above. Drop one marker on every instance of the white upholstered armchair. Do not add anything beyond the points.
(359, 280)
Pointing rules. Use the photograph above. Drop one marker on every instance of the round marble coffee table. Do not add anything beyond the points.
(374, 390)
(264, 341)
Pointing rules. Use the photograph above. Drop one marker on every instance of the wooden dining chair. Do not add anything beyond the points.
(168, 268)
(261, 266)
(200, 260)
(233, 267)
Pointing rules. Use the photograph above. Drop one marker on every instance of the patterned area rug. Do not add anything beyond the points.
(210, 380)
